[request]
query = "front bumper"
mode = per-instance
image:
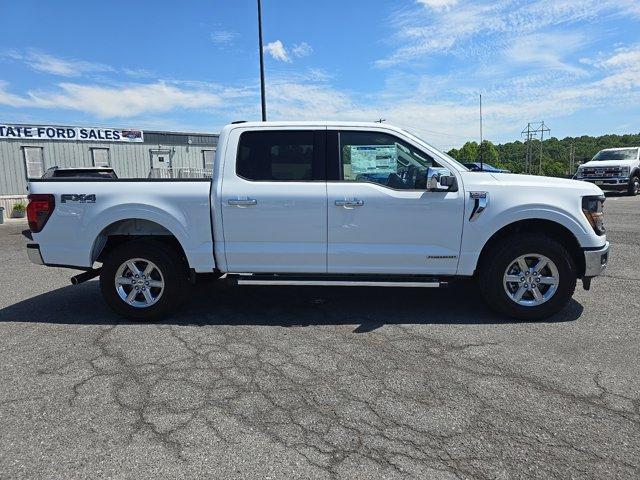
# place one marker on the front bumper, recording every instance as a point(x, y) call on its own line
point(595, 261)
point(613, 183)
point(33, 251)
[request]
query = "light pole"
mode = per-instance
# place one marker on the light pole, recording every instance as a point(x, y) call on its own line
point(262, 95)
point(481, 160)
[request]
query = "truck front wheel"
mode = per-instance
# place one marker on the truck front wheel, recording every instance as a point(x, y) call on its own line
point(527, 276)
point(143, 280)
point(634, 186)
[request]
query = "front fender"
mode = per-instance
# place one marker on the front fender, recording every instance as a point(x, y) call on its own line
point(477, 233)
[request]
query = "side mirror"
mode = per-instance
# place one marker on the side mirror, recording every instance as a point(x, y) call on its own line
point(441, 180)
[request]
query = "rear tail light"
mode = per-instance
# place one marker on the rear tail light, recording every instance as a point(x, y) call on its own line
point(39, 210)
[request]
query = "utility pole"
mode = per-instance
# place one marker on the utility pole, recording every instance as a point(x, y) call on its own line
point(529, 132)
point(572, 158)
point(381, 120)
point(481, 161)
point(542, 128)
point(262, 94)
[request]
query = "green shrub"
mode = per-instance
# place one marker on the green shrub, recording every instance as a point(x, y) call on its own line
point(19, 207)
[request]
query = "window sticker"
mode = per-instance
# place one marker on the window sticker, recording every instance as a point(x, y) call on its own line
point(373, 159)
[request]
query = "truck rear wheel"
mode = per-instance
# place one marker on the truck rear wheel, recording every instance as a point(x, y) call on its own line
point(143, 280)
point(527, 277)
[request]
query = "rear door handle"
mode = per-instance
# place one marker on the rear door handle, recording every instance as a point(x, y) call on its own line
point(242, 202)
point(349, 203)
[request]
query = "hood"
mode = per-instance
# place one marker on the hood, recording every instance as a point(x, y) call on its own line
point(512, 179)
point(609, 163)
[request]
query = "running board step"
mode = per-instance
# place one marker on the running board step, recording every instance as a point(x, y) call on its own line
point(336, 282)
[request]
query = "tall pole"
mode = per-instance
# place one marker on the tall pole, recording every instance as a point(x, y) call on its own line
point(262, 95)
point(541, 140)
point(527, 157)
point(481, 162)
point(542, 128)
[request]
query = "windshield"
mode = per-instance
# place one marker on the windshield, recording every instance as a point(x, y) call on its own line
point(621, 154)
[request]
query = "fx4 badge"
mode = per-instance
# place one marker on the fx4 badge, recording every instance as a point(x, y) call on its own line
point(78, 197)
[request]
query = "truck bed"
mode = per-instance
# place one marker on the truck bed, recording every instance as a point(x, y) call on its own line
point(87, 208)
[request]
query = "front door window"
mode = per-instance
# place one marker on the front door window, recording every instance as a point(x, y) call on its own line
point(383, 159)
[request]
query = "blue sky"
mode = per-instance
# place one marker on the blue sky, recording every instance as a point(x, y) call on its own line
point(419, 64)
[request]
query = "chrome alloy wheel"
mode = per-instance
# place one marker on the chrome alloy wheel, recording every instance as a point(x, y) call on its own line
point(139, 282)
point(531, 280)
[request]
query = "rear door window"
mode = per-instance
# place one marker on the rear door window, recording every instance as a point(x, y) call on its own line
point(281, 156)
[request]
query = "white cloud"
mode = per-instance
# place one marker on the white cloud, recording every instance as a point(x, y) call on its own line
point(47, 63)
point(480, 27)
point(114, 101)
point(629, 57)
point(277, 51)
point(546, 50)
point(438, 4)
point(440, 108)
point(223, 37)
point(302, 49)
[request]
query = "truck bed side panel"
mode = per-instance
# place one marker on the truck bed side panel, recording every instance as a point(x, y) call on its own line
point(180, 207)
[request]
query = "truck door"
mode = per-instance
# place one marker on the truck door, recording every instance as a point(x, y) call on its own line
point(381, 218)
point(274, 202)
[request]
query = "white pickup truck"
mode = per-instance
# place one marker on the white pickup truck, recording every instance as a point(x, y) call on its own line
point(324, 203)
point(613, 169)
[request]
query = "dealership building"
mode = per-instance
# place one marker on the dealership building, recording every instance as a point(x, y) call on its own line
point(27, 151)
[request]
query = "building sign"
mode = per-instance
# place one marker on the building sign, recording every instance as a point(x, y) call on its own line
point(373, 159)
point(44, 132)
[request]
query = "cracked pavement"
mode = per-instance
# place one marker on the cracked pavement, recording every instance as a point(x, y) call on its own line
point(287, 382)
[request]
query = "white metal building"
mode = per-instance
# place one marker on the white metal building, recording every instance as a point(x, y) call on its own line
point(26, 151)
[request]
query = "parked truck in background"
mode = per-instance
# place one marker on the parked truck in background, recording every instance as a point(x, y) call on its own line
point(613, 169)
point(322, 203)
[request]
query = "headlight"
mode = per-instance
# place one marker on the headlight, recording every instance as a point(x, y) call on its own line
point(592, 207)
point(579, 173)
point(625, 171)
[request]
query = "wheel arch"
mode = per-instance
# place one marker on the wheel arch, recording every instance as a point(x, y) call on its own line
point(553, 229)
point(124, 230)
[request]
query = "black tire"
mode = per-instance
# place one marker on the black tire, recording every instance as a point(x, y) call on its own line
point(174, 275)
point(634, 186)
point(494, 265)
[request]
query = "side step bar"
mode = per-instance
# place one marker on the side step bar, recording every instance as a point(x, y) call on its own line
point(337, 282)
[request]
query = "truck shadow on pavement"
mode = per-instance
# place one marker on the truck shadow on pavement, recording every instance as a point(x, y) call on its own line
point(217, 303)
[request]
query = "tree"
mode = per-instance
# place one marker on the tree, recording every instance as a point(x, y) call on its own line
point(488, 152)
point(468, 153)
point(555, 152)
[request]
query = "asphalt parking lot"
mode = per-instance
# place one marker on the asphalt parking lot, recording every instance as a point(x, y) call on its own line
point(319, 383)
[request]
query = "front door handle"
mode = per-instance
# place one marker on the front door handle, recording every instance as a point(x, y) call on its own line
point(242, 202)
point(349, 203)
